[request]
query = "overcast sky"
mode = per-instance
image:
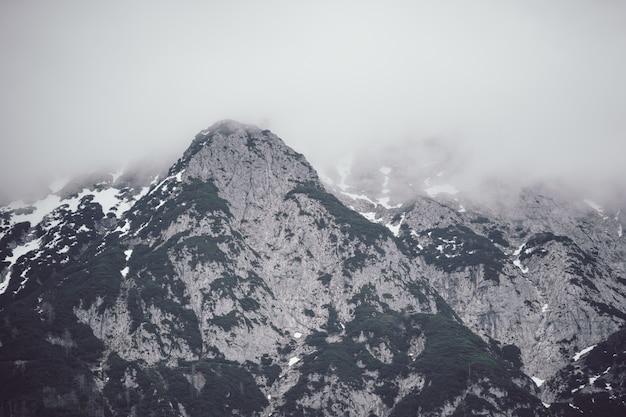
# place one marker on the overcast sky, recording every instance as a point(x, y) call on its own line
point(531, 87)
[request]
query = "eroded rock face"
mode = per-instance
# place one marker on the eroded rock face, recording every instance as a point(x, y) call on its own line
point(534, 281)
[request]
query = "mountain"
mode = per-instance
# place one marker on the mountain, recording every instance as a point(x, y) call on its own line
point(236, 283)
point(539, 271)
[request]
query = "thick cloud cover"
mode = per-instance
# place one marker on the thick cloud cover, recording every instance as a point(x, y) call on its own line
point(524, 89)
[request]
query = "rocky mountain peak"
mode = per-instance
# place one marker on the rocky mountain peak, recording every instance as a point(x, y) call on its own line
point(251, 167)
point(238, 284)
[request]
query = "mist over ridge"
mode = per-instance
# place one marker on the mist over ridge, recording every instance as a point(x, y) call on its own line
point(522, 90)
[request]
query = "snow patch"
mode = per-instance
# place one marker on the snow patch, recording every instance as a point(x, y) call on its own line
point(521, 267)
point(385, 203)
point(461, 209)
point(125, 271)
point(371, 216)
point(108, 199)
point(538, 381)
point(297, 335)
point(519, 250)
point(128, 253)
point(359, 197)
point(40, 209)
point(583, 352)
point(294, 360)
point(545, 308)
point(396, 229)
point(18, 252)
point(123, 229)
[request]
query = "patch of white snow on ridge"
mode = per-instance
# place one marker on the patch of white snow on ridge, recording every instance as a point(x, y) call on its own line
point(123, 229)
point(583, 352)
point(297, 335)
point(593, 379)
point(40, 209)
point(294, 360)
point(538, 381)
point(359, 197)
point(461, 209)
point(17, 253)
point(371, 216)
point(545, 308)
point(521, 267)
point(5, 281)
point(107, 199)
point(128, 253)
point(396, 229)
point(434, 190)
point(125, 271)
point(385, 203)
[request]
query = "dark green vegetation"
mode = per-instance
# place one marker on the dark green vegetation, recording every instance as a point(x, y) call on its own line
point(595, 385)
point(166, 203)
point(205, 388)
point(456, 248)
point(350, 222)
point(452, 359)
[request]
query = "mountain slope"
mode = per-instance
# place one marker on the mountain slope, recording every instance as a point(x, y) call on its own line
point(238, 285)
point(539, 270)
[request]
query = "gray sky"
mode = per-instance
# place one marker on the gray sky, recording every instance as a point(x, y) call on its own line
point(527, 87)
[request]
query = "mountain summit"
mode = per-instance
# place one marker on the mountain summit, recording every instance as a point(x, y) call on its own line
point(238, 285)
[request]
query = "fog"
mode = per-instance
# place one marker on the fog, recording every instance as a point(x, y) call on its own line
point(522, 90)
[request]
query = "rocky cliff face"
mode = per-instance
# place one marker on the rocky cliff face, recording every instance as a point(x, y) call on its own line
point(238, 285)
point(542, 273)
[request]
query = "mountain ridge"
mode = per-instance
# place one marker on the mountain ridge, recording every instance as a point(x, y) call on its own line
point(237, 282)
